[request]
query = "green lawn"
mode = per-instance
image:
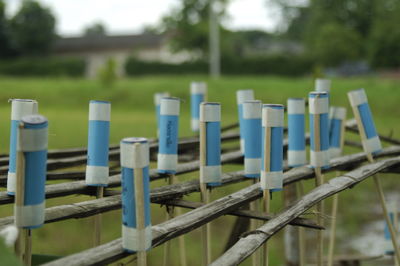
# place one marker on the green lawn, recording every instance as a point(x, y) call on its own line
point(65, 103)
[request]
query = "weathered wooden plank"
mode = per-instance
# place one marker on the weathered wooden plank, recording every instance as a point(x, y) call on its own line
point(113, 201)
point(253, 240)
point(244, 213)
point(191, 220)
point(79, 187)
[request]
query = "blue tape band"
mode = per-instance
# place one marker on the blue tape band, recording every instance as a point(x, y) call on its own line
point(276, 152)
point(213, 139)
point(276, 149)
point(35, 177)
point(335, 133)
point(296, 132)
point(368, 122)
point(195, 100)
point(128, 197)
point(98, 142)
point(13, 146)
point(324, 132)
point(252, 138)
point(168, 139)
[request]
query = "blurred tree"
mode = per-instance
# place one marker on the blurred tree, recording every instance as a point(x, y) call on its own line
point(334, 44)
point(5, 44)
point(384, 40)
point(96, 29)
point(361, 21)
point(189, 24)
point(33, 29)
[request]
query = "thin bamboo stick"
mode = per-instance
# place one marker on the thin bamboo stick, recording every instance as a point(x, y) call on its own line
point(140, 217)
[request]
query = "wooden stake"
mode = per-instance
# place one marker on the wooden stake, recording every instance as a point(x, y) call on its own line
point(266, 192)
point(23, 244)
point(266, 198)
point(140, 217)
point(332, 236)
point(205, 197)
point(97, 219)
point(319, 180)
point(377, 185)
point(28, 247)
point(302, 239)
point(255, 206)
point(173, 179)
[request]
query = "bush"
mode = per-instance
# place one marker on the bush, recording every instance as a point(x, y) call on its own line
point(47, 66)
point(384, 48)
point(285, 65)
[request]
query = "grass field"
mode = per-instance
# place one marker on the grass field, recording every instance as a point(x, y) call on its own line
point(65, 103)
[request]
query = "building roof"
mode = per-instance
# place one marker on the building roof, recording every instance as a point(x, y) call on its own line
point(103, 42)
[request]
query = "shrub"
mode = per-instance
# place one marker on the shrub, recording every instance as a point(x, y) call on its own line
point(43, 66)
point(279, 64)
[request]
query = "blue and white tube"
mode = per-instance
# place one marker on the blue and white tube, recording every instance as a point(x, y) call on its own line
point(318, 103)
point(336, 137)
point(198, 91)
point(32, 143)
point(392, 211)
point(98, 143)
point(241, 97)
point(296, 153)
point(251, 125)
point(322, 85)
point(157, 101)
point(210, 164)
point(272, 147)
point(19, 108)
point(135, 173)
point(167, 158)
point(369, 137)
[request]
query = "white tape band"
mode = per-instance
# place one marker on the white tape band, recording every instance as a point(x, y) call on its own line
point(29, 215)
point(272, 117)
point(251, 110)
point(323, 85)
point(194, 124)
point(210, 174)
point(198, 88)
point(130, 238)
point(296, 158)
point(242, 145)
point(167, 161)
point(23, 108)
point(32, 139)
point(252, 166)
point(319, 105)
point(334, 152)
point(11, 182)
point(271, 180)
point(169, 106)
point(134, 155)
point(357, 97)
point(372, 145)
point(99, 111)
point(158, 96)
point(338, 113)
point(319, 158)
point(244, 95)
point(296, 106)
point(96, 175)
point(210, 113)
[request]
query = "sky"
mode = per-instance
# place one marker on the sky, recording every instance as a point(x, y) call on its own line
point(130, 16)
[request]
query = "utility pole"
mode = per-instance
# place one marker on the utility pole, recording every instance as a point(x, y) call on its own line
point(214, 46)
